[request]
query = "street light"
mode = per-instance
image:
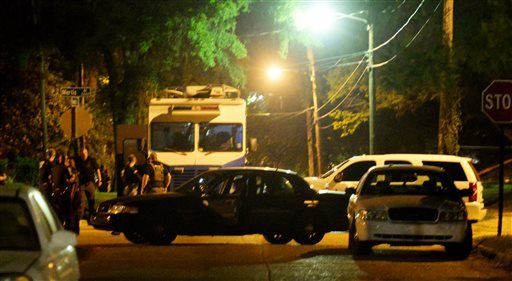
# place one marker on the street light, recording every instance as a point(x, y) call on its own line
point(311, 19)
point(274, 73)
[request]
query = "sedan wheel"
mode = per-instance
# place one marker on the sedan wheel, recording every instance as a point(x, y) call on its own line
point(161, 236)
point(463, 249)
point(307, 233)
point(356, 247)
point(277, 238)
point(135, 237)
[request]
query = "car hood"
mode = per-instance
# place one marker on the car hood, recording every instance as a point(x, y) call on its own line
point(16, 261)
point(407, 201)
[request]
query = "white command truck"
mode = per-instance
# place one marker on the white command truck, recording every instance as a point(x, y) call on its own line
point(192, 131)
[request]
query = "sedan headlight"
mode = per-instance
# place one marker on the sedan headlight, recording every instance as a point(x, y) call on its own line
point(122, 209)
point(458, 215)
point(372, 215)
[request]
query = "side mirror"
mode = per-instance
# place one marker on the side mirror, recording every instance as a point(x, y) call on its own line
point(350, 191)
point(338, 177)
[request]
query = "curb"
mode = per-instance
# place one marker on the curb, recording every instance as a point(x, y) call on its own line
point(501, 259)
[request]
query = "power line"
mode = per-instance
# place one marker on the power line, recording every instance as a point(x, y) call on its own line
point(333, 97)
point(343, 100)
point(412, 40)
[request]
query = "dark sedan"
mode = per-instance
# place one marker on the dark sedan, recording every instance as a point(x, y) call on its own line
point(276, 203)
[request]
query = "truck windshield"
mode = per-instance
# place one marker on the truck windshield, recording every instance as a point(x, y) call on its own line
point(169, 137)
point(220, 137)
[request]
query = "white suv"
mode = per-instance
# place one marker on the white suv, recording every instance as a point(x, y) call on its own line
point(461, 170)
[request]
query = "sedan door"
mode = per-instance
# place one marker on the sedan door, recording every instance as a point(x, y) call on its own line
point(272, 203)
point(225, 199)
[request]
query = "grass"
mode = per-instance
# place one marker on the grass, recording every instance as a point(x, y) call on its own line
point(103, 196)
point(491, 192)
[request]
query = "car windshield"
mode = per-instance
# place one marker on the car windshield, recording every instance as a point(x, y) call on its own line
point(199, 184)
point(331, 171)
point(407, 183)
point(17, 230)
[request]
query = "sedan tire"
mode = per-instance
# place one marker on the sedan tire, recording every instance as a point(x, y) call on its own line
point(135, 237)
point(160, 235)
point(356, 247)
point(462, 250)
point(277, 238)
point(307, 232)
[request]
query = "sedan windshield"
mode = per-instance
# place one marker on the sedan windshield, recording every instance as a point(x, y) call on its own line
point(407, 183)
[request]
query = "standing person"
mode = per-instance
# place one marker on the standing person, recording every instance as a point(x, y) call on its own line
point(46, 171)
point(131, 177)
point(88, 170)
point(156, 177)
point(58, 177)
point(72, 220)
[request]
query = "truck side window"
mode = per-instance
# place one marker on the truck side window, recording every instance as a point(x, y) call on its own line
point(355, 171)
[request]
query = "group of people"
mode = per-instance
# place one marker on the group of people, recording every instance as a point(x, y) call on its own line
point(69, 184)
point(153, 177)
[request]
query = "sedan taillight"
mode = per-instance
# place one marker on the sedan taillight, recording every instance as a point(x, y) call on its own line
point(473, 188)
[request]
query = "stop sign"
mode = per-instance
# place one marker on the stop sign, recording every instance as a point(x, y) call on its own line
point(497, 101)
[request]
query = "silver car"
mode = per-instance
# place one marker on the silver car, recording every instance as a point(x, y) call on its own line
point(33, 243)
point(408, 205)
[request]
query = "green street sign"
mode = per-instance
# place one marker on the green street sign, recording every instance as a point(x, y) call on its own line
point(76, 91)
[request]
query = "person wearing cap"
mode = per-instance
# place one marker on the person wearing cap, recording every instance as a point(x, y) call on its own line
point(156, 178)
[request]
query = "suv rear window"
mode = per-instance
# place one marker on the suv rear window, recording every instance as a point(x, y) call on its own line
point(454, 169)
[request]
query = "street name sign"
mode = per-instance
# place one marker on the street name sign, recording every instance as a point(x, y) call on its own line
point(76, 91)
point(497, 101)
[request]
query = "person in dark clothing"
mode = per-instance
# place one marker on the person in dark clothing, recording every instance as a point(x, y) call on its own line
point(131, 177)
point(45, 172)
point(105, 186)
point(156, 177)
point(73, 202)
point(59, 176)
point(88, 171)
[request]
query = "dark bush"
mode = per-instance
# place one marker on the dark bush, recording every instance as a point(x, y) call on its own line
point(26, 171)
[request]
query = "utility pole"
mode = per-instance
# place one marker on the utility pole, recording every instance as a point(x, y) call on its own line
point(371, 90)
point(316, 124)
point(43, 99)
point(309, 136)
point(448, 98)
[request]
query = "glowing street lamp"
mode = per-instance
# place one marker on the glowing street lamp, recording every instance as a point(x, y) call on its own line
point(274, 72)
point(319, 19)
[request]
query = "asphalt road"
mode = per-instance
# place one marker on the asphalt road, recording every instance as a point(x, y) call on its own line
point(106, 257)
